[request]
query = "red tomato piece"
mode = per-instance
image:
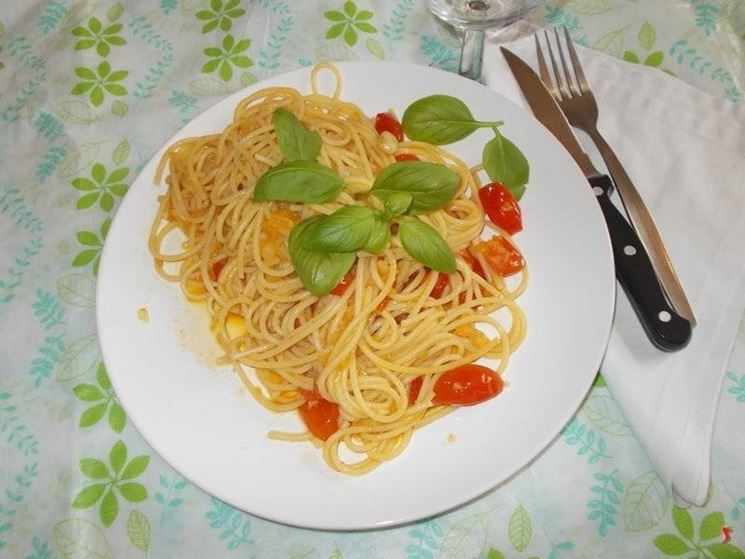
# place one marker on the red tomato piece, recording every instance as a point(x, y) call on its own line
point(467, 385)
point(216, 267)
point(344, 283)
point(443, 280)
point(405, 157)
point(386, 122)
point(501, 255)
point(501, 207)
point(320, 416)
point(414, 389)
point(474, 264)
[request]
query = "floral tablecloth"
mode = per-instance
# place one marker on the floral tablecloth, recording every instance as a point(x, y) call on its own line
point(88, 91)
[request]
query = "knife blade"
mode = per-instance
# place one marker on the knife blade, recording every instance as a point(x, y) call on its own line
point(665, 328)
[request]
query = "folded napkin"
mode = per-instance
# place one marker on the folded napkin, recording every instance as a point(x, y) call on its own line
point(685, 151)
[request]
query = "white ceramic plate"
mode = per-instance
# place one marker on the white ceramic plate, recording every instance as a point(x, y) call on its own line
point(200, 419)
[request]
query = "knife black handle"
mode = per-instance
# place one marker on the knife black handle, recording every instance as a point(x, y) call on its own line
point(666, 329)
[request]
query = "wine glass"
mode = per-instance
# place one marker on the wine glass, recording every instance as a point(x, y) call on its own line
point(473, 16)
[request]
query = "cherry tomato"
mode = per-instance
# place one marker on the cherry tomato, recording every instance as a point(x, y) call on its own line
point(467, 385)
point(386, 122)
point(474, 264)
point(501, 256)
point(343, 285)
point(414, 389)
point(501, 207)
point(443, 280)
point(320, 416)
point(406, 157)
point(216, 267)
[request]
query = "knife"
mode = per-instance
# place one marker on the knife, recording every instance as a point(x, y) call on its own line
point(665, 328)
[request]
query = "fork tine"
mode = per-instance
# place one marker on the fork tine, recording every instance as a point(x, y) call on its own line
point(584, 85)
point(575, 91)
point(543, 69)
point(557, 73)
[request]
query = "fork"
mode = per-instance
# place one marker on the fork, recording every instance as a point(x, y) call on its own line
point(577, 102)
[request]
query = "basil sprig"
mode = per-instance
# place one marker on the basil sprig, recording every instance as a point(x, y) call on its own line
point(319, 272)
point(505, 163)
point(295, 141)
point(430, 185)
point(321, 246)
point(298, 181)
point(440, 120)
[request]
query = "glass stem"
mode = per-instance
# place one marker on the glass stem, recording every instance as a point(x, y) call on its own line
point(472, 54)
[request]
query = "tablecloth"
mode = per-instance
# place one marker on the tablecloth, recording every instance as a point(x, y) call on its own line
point(88, 92)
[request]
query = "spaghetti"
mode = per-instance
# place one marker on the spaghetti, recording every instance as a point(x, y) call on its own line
point(362, 350)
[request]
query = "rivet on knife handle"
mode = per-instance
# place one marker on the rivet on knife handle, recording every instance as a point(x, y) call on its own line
point(666, 328)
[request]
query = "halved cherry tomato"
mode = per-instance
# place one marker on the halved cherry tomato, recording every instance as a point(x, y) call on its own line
point(467, 385)
point(501, 255)
point(443, 280)
point(414, 389)
point(344, 283)
point(406, 157)
point(474, 264)
point(216, 267)
point(386, 122)
point(501, 207)
point(320, 416)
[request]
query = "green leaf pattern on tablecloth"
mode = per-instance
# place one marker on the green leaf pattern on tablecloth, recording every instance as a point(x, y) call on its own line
point(110, 480)
point(89, 91)
point(704, 541)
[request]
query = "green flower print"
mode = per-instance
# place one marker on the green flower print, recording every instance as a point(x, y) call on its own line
point(94, 242)
point(102, 398)
point(708, 544)
point(222, 15)
point(222, 58)
point(101, 188)
point(349, 22)
point(95, 35)
point(116, 476)
point(96, 82)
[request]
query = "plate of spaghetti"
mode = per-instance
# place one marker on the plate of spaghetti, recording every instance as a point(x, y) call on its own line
point(355, 295)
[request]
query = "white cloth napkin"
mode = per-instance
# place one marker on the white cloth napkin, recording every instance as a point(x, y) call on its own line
point(685, 151)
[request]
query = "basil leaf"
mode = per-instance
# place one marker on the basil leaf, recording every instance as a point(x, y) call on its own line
point(298, 181)
point(440, 119)
point(345, 230)
point(380, 235)
point(430, 185)
point(295, 140)
point(424, 244)
point(505, 163)
point(397, 203)
point(319, 272)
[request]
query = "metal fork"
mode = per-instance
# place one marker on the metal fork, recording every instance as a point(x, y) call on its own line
point(577, 102)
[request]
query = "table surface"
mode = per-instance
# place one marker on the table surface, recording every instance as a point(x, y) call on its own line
point(592, 493)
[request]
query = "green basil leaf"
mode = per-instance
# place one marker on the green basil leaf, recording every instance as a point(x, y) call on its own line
point(319, 272)
point(295, 140)
point(430, 185)
point(397, 203)
point(440, 119)
point(380, 235)
point(505, 163)
point(424, 244)
point(345, 230)
point(298, 181)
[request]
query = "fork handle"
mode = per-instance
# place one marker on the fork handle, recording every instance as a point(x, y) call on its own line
point(666, 329)
point(645, 226)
